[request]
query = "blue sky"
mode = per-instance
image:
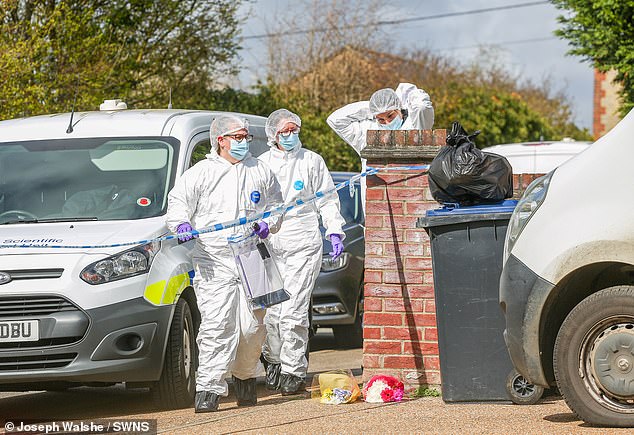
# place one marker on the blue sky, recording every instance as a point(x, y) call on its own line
point(523, 37)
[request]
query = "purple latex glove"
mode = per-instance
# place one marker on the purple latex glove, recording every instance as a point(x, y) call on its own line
point(337, 246)
point(261, 229)
point(186, 227)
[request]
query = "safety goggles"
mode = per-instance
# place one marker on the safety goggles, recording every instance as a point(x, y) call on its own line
point(240, 137)
point(287, 133)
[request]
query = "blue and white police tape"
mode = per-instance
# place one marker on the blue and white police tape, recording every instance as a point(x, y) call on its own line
point(236, 222)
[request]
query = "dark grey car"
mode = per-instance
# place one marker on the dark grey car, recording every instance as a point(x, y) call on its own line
point(338, 295)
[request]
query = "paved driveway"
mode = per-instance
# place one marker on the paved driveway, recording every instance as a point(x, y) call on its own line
point(297, 415)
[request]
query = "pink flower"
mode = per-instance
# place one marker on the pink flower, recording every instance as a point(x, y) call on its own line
point(398, 395)
point(387, 395)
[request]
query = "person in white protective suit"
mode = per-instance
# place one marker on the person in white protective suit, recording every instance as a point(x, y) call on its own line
point(228, 184)
point(407, 108)
point(301, 173)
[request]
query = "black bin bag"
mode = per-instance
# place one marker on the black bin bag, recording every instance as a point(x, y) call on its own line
point(462, 174)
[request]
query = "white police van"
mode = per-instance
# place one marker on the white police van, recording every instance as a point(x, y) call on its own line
point(539, 157)
point(98, 315)
point(567, 285)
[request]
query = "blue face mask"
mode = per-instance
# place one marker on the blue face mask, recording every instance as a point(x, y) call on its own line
point(239, 150)
point(290, 142)
point(396, 123)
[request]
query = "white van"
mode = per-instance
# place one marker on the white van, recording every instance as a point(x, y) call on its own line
point(539, 157)
point(98, 315)
point(567, 286)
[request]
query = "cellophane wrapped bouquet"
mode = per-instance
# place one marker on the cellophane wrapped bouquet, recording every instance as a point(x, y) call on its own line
point(335, 387)
point(382, 389)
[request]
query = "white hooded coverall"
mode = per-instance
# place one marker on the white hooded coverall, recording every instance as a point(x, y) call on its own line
point(215, 191)
point(298, 245)
point(353, 121)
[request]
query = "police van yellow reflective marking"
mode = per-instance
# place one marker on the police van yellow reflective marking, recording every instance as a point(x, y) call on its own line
point(174, 288)
point(160, 294)
point(154, 292)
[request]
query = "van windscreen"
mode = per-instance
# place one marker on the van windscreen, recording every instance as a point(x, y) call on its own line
point(86, 179)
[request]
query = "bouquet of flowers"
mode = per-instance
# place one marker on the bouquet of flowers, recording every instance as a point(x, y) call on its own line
point(335, 396)
point(335, 387)
point(383, 388)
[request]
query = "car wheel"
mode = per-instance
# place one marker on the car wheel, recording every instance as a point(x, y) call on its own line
point(177, 386)
point(521, 391)
point(594, 358)
point(351, 336)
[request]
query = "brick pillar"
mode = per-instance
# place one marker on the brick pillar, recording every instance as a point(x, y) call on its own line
point(606, 103)
point(400, 335)
point(521, 182)
point(598, 110)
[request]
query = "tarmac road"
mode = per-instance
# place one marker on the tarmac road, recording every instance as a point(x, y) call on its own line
point(299, 414)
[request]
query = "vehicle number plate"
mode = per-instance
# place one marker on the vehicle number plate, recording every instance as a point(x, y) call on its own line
point(19, 330)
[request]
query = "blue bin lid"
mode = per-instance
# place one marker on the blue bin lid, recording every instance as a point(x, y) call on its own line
point(506, 206)
point(449, 215)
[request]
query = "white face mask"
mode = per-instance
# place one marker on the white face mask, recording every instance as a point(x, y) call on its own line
point(239, 150)
point(289, 142)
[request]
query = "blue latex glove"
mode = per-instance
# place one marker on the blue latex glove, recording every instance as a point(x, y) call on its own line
point(261, 229)
point(185, 227)
point(337, 246)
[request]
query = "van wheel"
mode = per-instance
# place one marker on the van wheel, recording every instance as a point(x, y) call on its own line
point(594, 358)
point(177, 386)
point(351, 336)
point(521, 391)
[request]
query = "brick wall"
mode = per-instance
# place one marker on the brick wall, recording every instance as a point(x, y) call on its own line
point(521, 182)
point(606, 103)
point(598, 111)
point(400, 334)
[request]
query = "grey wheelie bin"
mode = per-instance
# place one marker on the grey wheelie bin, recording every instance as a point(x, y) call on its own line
point(467, 246)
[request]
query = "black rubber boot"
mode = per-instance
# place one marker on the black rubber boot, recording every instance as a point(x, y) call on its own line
point(290, 384)
point(273, 376)
point(206, 401)
point(245, 391)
